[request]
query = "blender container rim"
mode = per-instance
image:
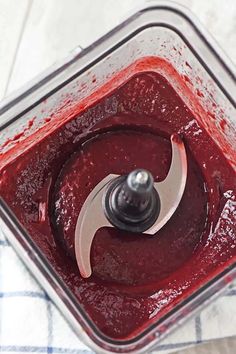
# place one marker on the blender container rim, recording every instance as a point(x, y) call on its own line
point(19, 237)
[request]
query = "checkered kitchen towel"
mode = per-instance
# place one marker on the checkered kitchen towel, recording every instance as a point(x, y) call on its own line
point(30, 323)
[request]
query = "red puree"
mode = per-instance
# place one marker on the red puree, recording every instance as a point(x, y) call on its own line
point(136, 278)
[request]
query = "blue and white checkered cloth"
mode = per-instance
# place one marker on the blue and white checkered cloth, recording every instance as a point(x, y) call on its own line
point(30, 323)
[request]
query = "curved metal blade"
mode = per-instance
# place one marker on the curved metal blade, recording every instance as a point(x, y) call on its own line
point(172, 188)
point(91, 218)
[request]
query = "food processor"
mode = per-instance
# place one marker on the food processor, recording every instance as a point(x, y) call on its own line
point(118, 183)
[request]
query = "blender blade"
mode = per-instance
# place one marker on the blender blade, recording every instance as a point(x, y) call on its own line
point(92, 215)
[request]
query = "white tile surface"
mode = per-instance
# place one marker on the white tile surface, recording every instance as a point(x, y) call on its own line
point(55, 27)
point(63, 337)
point(223, 346)
point(217, 326)
point(219, 17)
point(22, 277)
point(13, 314)
point(186, 333)
point(11, 21)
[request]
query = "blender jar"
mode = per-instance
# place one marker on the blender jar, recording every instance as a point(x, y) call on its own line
point(176, 43)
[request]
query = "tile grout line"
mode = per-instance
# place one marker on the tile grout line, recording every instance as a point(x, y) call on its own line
point(198, 328)
point(50, 325)
point(21, 294)
point(36, 349)
point(22, 30)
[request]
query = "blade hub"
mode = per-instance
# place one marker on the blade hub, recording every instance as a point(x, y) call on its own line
point(131, 203)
